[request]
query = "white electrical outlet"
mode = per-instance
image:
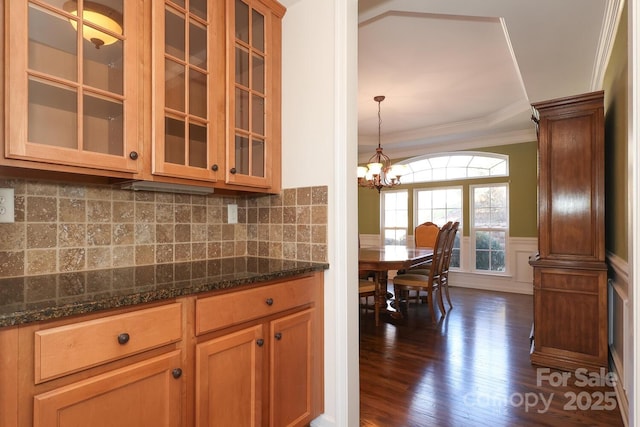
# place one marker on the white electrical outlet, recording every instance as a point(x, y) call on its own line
point(7, 211)
point(232, 214)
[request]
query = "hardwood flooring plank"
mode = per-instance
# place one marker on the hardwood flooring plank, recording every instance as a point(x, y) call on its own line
point(472, 368)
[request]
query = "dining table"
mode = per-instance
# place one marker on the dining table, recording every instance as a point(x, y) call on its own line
point(379, 260)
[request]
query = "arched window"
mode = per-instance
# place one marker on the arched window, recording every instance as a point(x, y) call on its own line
point(454, 166)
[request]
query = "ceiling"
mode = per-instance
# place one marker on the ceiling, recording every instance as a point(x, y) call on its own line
point(461, 74)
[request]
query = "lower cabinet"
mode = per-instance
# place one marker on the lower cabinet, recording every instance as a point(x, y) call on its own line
point(570, 317)
point(229, 380)
point(146, 393)
point(260, 363)
point(291, 368)
point(241, 358)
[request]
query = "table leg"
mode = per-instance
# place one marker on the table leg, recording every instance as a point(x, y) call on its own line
point(382, 302)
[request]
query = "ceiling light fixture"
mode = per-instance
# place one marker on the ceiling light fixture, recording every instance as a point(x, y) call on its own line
point(379, 173)
point(96, 14)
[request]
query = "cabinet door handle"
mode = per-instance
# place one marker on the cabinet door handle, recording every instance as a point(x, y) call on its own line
point(269, 301)
point(233, 171)
point(133, 155)
point(260, 342)
point(123, 338)
point(214, 168)
point(278, 336)
point(177, 373)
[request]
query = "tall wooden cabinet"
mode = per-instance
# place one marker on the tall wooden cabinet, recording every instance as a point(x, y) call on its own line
point(570, 273)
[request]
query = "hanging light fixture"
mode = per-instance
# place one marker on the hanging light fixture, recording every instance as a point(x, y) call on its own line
point(97, 14)
point(379, 173)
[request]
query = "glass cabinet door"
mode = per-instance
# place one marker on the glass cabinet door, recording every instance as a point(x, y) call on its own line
point(72, 93)
point(251, 104)
point(189, 85)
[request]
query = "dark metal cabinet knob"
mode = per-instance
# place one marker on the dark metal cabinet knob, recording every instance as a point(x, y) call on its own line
point(123, 338)
point(260, 342)
point(133, 155)
point(233, 171)
point(214, 168)
point(278, 335)
point(177, 373)
point(269, 301)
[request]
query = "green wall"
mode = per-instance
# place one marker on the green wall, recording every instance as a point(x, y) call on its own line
point(522, 193)
point(615, 99)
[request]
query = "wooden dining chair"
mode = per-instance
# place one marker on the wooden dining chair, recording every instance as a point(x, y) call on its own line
point(424, 235)
point(366, 290)
point(446, 261)
point(430, 283)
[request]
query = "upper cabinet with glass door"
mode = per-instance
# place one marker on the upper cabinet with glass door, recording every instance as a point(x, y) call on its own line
point(254, 67)
point(71, 89)
point(188, 90)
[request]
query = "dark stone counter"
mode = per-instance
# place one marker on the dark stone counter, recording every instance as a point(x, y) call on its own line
point(36, 298)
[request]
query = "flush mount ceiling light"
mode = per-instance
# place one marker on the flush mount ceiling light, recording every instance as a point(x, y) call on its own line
point(379, 173)
point(96, 14)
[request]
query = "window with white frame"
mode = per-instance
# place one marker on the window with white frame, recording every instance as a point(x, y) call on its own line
point(395, 216)
point(456, 165)
point(440, 205)
point(489, 225)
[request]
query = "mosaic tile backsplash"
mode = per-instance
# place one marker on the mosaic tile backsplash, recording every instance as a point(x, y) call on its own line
point(64, 227)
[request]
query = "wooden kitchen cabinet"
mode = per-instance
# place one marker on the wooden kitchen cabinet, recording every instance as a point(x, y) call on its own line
point(178, 92)
point(291, 368)
point(570, 272)
point(123, 368)
point(189, 94)
point(254, 69)
point(237, 357)
point(263, 362)
point(229, 379)
point(147, 393)
point(71, 86)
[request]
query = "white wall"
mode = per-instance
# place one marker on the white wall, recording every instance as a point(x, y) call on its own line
point(319, 148)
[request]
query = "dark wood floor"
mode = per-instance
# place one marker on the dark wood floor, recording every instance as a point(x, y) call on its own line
point(471, 369)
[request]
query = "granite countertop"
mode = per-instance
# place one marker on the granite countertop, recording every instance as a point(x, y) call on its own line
point(44, 297)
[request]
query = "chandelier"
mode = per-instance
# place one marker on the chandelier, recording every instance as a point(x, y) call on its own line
point(379, 173)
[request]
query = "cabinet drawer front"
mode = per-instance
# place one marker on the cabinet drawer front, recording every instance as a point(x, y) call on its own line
point(217, 312)
point(70, 348)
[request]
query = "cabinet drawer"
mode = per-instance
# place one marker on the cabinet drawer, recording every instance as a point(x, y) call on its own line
point(221, 311)
point(73, 347)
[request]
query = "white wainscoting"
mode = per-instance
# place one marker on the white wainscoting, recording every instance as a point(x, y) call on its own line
point(519, 277)
point(620, 331)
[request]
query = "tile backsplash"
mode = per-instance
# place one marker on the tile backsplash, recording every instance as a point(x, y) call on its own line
point(63, 227)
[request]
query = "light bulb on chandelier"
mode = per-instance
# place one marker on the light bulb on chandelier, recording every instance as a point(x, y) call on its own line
point(379, 173)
